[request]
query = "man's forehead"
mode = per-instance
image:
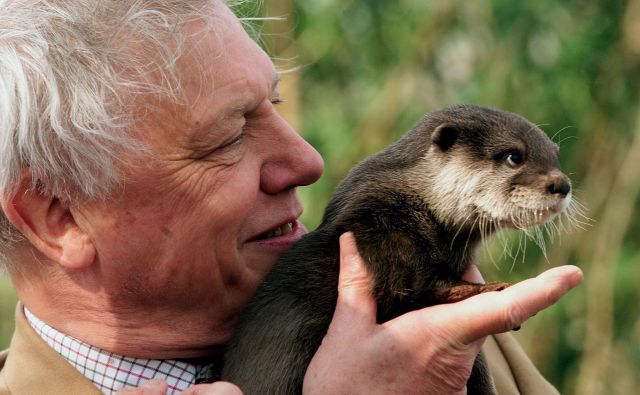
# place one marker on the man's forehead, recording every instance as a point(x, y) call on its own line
point(250, 98)
point(224, 74)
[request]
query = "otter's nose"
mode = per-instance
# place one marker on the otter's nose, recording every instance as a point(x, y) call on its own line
point(559, 185)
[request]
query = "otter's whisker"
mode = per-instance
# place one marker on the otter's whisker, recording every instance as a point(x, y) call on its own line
point(506, 247)
point(575, 215)
point(540, 241)
point(559, 223)
point(524, 244)
point(458, 232)
point(473, 225)
point(553, 230)
point(490, 230)
point(484, 239)
point(520, 249)
point(565, 139)
point(553, 138)
point(579, 210)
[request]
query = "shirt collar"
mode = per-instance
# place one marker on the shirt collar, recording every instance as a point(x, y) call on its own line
point(111, 372)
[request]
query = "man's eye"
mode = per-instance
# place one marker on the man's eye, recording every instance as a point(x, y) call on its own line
point(277, 100)
point(236, 139)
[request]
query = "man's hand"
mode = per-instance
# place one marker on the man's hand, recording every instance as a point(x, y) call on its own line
point(158, 387)
point(431, 350)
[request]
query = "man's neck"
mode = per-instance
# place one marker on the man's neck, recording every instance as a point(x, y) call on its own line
point(111, 372)
point(142, 333)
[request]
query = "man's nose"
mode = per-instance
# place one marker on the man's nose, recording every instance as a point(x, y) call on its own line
point(293, 162)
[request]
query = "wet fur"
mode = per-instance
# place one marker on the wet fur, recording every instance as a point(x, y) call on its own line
point(416, 211)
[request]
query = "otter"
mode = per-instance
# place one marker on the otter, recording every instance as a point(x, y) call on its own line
point(419, 211)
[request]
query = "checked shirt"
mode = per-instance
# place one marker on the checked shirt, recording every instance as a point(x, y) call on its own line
point(111, 372)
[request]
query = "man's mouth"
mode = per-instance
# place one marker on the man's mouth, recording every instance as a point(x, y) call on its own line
point(279, 231)
point(280, 238)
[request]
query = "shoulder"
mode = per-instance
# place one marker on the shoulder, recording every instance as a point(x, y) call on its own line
point(31, 366)
point(3, 385)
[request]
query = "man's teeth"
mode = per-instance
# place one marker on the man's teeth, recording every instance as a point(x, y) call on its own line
point(283, 230)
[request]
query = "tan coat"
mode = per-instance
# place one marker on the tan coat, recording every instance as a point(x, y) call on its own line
point(31, 367)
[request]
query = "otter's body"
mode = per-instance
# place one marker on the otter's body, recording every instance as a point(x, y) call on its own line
point(418, 211)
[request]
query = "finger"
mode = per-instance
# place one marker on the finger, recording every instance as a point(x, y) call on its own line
point(496, 312)
point(355, 302)
point(472, 274)
point(217, 388)
point(151, 387)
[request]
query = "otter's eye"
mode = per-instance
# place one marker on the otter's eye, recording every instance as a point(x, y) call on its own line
point(514, 159)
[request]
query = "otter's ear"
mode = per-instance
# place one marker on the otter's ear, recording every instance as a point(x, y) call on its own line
point(49, 225)
point(444, 136)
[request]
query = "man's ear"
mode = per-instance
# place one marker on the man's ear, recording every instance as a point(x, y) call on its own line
point(49, 225)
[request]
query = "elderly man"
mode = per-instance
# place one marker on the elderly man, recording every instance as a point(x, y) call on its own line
point(148, 184)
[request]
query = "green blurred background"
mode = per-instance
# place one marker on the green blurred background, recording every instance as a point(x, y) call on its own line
point(364, 71)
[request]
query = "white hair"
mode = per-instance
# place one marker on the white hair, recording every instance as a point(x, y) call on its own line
point(67, 70)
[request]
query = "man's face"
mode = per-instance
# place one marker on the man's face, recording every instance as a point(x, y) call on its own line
point(199, 223)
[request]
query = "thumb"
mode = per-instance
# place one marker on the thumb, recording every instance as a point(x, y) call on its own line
point(151, 387)
point(495, 312)
point(355, 302)
point(217, 388)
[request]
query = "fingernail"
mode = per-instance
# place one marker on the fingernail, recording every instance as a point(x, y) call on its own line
point(576, 276)
point(579, 274)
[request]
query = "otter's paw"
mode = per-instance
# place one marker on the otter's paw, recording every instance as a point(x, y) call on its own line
point(494, 287)
point(458, 292)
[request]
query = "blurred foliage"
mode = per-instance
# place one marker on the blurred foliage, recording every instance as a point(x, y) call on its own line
point(369, 69)
point(7, 307)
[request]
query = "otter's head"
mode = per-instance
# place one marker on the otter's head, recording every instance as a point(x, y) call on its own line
point(488, 169)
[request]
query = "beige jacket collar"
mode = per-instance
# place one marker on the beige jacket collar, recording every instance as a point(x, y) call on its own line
point(32, 367)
